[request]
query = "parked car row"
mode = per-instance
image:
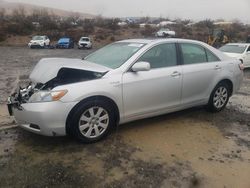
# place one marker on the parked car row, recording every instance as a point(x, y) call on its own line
point(62, 43)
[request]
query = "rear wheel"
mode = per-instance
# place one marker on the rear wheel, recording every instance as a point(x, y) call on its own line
point(219, 97)
point(92, 121)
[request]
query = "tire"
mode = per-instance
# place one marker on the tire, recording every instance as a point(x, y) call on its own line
point(89, 127)
point(165, 35)
point(219, 97)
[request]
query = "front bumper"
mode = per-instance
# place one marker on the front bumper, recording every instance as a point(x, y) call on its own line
point(84, 45)
point(35, 45)
point(47, 118)
point(63, 46)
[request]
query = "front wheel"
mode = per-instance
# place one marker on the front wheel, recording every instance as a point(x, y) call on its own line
point(165, 35)
point(219, 98)
point(92, 121)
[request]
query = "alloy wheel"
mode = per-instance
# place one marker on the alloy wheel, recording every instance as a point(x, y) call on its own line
point(220, 97)
point(93, 122)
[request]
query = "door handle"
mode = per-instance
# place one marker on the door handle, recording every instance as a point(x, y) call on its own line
point(175, 74)
point(217, 67)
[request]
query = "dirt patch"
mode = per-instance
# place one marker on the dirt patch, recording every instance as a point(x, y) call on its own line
point(8, 140)
point(106, 164)
point(43, 174)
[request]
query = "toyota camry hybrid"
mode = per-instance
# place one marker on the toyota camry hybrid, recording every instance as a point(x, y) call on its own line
point(124, 81)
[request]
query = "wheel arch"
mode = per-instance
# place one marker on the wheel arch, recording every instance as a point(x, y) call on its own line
point(99, 97)
point(229, 83)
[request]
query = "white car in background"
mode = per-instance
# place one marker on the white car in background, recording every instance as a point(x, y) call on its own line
point(84, 42)
point(240, 51)
point(165, 32)
point(39, 42)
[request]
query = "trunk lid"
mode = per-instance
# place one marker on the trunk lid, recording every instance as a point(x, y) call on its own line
point(233, 55)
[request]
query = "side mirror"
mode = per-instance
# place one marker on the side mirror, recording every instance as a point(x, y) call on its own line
point(140, 66)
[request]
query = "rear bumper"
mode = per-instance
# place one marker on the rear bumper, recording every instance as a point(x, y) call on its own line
point(47, 119)
point(63, 46)
point(238, 81)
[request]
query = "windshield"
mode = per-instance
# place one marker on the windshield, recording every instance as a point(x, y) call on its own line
point(84, 39)
point(239, 49)
point(114, 55)
point(64, 40)
point(164, 29)
point(38, 38)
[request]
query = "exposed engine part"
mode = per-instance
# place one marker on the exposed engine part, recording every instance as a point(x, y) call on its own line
point(25, 93)
point(22, 95)
point(64, 76)
point(69, 76)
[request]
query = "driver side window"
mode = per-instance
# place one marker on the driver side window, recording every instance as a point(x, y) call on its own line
point(163, 55)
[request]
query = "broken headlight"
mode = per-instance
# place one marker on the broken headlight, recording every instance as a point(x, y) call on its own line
point(47, 96)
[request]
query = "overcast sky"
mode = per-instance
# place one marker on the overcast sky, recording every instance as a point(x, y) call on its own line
point(187, 9)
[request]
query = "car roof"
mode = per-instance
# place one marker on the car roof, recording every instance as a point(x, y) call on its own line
point(158, 40)
point(144, 41)
point(239, 44)
point(64, 38)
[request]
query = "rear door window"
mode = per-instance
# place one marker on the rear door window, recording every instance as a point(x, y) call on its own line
point(211, 57)
point(193, 54)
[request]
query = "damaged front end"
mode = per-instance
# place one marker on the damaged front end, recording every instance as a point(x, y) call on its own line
point(22, 95)
point(29, 93)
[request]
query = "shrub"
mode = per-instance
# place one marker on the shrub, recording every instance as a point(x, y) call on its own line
point(148, 31)
point(88, 26)
point(112, 38)
point(3, 35)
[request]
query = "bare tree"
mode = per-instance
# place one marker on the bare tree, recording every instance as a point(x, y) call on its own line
point(18, 15)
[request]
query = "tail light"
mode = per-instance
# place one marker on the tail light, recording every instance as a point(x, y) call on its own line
point(241, 66)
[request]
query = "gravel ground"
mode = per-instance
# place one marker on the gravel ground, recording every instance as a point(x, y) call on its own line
point(191, 148)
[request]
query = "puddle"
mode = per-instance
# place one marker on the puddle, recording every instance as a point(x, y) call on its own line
point(167, 139)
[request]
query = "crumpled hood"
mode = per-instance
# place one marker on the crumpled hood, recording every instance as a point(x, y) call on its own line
point(47, 69)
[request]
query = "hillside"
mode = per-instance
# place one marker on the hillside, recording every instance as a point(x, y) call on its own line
point(9, 7)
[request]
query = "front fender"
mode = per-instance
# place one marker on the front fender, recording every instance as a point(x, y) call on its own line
point(100, 87)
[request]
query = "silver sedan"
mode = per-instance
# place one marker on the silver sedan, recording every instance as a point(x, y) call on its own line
point(122, 82)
